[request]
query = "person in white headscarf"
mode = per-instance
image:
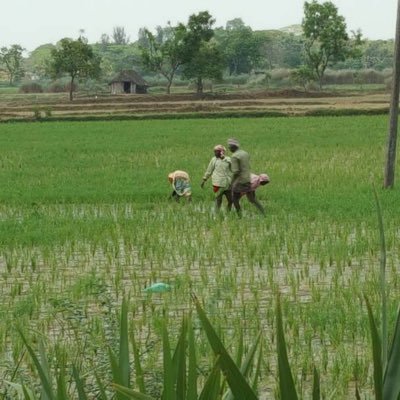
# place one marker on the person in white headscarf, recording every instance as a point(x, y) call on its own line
point(258, 180)
point(180, 183)
point(219, 169)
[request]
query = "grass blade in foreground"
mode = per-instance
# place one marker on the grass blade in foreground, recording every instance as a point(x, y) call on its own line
point(316, 394)
point(192, 368)
point(179, 361)
point(237, 383)
point(120, 366)
point(124, 346)
point(61, 385)
point(391, 383)
point(358, 397)
point(28, 393)
point(138, 366)
point(46, 385)
point(247, 362)
point(376, 353)
point(79, 384)
point(286, 383)
point(257, 374)
point(168, 392)
point(212, 386)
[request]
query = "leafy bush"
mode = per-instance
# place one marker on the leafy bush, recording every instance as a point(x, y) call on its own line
point(369, 76)
point(343, 77)
point(59, 87)
point(32, 87)
point(237, 79)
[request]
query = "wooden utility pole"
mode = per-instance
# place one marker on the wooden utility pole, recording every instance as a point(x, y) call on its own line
point(394, 109)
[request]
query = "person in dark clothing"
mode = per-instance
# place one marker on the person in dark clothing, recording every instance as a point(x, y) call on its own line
point(241, 182)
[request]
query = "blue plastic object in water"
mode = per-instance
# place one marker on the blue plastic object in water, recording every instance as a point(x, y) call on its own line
point(159, 287)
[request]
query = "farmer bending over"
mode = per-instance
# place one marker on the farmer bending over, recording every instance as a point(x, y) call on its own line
point(180, 183)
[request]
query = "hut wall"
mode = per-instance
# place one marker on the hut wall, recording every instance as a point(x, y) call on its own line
point(117, 88)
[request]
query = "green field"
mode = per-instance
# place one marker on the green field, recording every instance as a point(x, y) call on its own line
point(85, 219)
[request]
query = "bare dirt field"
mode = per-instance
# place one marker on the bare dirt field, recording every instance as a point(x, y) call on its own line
point(262, 103)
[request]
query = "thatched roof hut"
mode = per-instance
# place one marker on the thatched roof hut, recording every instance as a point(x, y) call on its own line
point(128, 82)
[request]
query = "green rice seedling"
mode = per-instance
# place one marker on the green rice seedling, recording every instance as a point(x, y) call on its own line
point(386, 363)
point(101, 227)
point(386, 376)
point(236, 381)
point(286, 383)
point(42, 369)
point(180, 378)
point(120, 366)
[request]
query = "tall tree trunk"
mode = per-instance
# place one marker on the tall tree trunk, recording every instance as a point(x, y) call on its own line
point(199, 85)
point(71, 88)
point(394, 110)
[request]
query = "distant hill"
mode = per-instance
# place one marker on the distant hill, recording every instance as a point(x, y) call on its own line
point(291, 29)
point(295, 29)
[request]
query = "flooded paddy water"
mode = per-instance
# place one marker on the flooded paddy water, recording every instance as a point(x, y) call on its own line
point(85, 222)
point(68, 290)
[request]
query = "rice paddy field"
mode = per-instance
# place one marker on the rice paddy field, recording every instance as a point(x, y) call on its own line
point(86, 220)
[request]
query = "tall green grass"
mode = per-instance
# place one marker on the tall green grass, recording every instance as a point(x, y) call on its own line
point(85, 219)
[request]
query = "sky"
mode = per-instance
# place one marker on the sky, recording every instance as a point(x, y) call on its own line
point(31, 23)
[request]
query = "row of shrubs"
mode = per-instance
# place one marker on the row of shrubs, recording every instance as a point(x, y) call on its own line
point(277, 77)
point(35, 87)
point(284, 78)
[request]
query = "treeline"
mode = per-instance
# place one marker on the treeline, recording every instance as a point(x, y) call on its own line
point(197, 53)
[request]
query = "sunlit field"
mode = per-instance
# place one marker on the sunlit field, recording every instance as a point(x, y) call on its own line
point(86, 220)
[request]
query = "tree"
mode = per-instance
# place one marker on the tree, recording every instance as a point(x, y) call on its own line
point(302, 76)
point(207, 63)
point(37, 62)
point(117, 57)
point(104, 41)
point(280, 49)
point(378, 54)
point(12, 59)
point(203, 59)
point(119, 35)
point(326, 39)
point(172, 47)
point(164, 55)
point(241, 47)
point(76, 59)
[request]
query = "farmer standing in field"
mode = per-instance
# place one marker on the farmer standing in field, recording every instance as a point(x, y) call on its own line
point(219, 169)
point(241, 183)
point(180, 183)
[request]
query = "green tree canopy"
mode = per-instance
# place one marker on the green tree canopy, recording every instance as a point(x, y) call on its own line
point(326, 39)
point(207, 63)
point(240, 46)
point(12, 60)
point(38, 60)
point(280, 49)
point(117, 57)
point(172, 47)
point(119, 35)
point(76, 59)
